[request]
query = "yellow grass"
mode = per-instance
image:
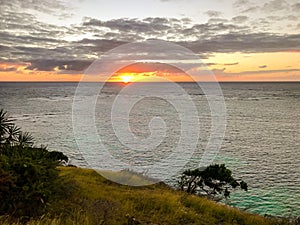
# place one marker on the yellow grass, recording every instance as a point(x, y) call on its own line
point(96, 200)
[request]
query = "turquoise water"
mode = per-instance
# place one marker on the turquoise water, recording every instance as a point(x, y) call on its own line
point(274, 199)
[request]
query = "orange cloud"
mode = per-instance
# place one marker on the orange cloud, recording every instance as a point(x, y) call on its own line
point(143, 72)
point(276, 66)
point(11, 66)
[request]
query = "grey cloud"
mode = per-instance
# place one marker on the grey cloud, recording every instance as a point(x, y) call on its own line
point(131, 25)
point(291, 17)
point(275, 5)
point(240, 19)
point(251, 9)
point(4, 48)
point(29, 30)
point(55, 7)
point(296, 7)
point(67, 65)
point(217, 20)
point(240, 3)
point(209, 30)
point(245, 6)
point(280, 18)
point(213, 13)
point(255, 42)
point(9, 38)
point(44, 46)
point(101, 45)
point(159, 20)
point(186, 20)
point(169, 0)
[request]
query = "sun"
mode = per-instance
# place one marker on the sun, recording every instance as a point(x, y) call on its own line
point(126, 79)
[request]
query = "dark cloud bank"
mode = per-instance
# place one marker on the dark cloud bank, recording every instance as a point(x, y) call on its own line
point(46, 46)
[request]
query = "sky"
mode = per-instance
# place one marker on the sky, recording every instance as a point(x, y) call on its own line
point(238, 40)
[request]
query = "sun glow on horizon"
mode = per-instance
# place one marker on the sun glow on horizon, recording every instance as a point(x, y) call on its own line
point(276, 66)
point(126, 78)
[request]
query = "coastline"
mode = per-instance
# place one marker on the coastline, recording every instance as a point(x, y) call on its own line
point(101, 201)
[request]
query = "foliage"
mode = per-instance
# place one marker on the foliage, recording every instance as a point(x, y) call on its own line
point(29, 180)
point(99, 201)
point(12, 135)
point(214, 182)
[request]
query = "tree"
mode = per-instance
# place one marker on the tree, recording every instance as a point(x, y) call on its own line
point(215, 182)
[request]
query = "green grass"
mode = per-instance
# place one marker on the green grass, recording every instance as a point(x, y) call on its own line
point(95, 200)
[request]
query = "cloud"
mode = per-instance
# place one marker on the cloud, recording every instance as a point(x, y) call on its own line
point(54, 7)
point(240, 19)
point(241, 3)
point(230, 64)
point(213, 13)
point(98, 45)
point(239, 42)
point(296, 7)
point(147, 25)
point(65, 65)
point(271, 71)
point(11, 66)
point(275, 5)
point(281, 18)
point(23, 29)
point(253, 72)
point(9, 69)
point(222, 64)
point(76, 55)
point(251, 9)
point(245, 6)
point(263, 66)
point(217, 71)
point(150, 67)
point(217, 20)
point(45, 46)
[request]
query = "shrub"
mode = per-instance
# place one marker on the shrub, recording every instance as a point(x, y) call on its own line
point(29, 180)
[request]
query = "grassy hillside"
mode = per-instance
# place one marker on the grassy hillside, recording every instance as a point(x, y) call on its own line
point(95, 200)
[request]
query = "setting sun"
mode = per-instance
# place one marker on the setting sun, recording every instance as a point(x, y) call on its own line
point(126, 79)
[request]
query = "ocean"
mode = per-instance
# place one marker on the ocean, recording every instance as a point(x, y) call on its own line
point(261, 142)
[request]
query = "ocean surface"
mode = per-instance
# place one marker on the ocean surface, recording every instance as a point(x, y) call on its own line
point(261, 143)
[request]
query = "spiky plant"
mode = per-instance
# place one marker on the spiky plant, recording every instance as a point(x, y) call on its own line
point(5, 123)
point(24, 139)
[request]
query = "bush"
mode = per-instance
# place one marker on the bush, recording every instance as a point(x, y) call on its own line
point(29, 180)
